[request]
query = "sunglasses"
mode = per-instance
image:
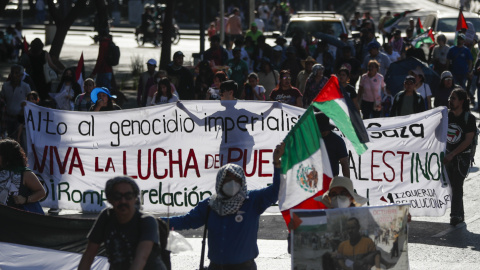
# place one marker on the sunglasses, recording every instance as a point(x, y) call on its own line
point(117, 196)
point(287, 78)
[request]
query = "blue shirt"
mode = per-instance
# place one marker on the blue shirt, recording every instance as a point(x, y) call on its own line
point(232, 239)
point(459, 57)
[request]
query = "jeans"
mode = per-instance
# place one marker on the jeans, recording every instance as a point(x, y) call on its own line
point(367, 110)
point(457, 170)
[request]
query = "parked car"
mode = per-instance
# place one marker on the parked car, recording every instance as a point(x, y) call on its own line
point(446, 23)
point(312, 22)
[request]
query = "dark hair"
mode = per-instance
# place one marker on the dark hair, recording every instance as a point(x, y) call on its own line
point(36, 46)
point(356, 221)
point(282, 73)
point(12, 155)
point(166, 82)
point(344, 69)
point(229, 85)
point(117, 180)
point(462, 95)
point(222, 76)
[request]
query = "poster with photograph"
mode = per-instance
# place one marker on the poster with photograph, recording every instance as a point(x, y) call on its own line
point(357, 238)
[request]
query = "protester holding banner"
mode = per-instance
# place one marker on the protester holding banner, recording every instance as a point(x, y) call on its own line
point(285, 92)
point(407, 101)
point(232, 216)
point(461, 130)
point(164, 93)
point(103, 100)
point(83, 102)
point(131, 237)
point(19, 186)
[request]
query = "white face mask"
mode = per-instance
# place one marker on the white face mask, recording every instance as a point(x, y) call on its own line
point(231, 188)
point(340, 201)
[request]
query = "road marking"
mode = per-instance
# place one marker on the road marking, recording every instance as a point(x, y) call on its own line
point(461, 225)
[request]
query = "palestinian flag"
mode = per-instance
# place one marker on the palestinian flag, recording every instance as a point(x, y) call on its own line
point(335, 105)
point(306, 171)
point(397, 18)
point(424, 38)
point(461, 24)
point(419, 27)
point(79, 72)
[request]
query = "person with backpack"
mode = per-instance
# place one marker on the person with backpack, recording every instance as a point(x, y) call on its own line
point(108, 56)
point(460, 137)
point(131, 237)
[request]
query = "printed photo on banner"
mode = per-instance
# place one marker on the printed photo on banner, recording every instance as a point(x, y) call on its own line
point(361, 238)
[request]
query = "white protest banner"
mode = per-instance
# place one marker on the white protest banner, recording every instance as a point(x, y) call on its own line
point(404, 162)
point(173, 153)
point(321, 239)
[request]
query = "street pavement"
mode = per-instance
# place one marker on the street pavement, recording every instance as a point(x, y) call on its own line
point(433, 243)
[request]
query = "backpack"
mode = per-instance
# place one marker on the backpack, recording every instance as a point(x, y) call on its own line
point(113, 54)
point(473, 146)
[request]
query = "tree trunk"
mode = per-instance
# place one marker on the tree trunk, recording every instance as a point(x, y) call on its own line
point(101, 21)
point(167, 35)
point(63, 23)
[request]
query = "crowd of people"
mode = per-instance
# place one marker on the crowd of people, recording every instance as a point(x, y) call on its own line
point(249, 68)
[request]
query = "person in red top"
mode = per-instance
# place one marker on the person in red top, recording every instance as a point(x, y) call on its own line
point(285, 92)
point(102, 70)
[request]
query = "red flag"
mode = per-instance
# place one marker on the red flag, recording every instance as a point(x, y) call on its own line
point(25, 45)
point(430, 34)
point(419, 27)
point(78, 72)
point(461, 22)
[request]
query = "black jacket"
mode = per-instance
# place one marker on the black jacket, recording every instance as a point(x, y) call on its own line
point(418, 103)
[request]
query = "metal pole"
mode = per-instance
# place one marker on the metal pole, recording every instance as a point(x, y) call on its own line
point(222, 21)
point(202, 26)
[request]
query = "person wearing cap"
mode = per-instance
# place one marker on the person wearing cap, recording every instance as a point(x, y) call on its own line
point(103, 100)
point(444, 89)
point(146, 80)
point(422, 87)
point(238, 70)
point(232, 216)
point(370, 84)
point(181, 77)
point(315, 82)
point(285, 92)
point(460, 59)
point(131, 237)
point(374, 53)
point(407, 101)
point(336, 148)
point(253, 32)
point(305, 73)
point(439, 54)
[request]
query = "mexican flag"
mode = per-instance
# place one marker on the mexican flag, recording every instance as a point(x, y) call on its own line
point(424, 38)
point(79, 72)
point(397, 18)
point(306, 171)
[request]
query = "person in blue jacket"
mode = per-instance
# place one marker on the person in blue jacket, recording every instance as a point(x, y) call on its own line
point(233, 216)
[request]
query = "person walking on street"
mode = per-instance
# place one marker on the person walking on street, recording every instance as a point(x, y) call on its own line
point(461, 131)
point(181, 77)
point(146, 80)
point(407, 101)
point(461, 61)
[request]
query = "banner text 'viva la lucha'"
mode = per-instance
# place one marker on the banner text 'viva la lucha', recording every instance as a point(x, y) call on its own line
point(173, 153)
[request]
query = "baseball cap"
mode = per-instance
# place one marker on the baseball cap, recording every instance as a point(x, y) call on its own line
point(152, 62)
point(373, 45)
point(178, 53)
point(446, 74)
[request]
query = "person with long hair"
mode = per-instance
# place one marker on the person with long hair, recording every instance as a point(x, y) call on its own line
point(285, 92)
point(67, 91)
point(213, 92)
point(164, 93)
point(103, 100)
point(462, 124)
point(19, 187)
point(83, 102)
